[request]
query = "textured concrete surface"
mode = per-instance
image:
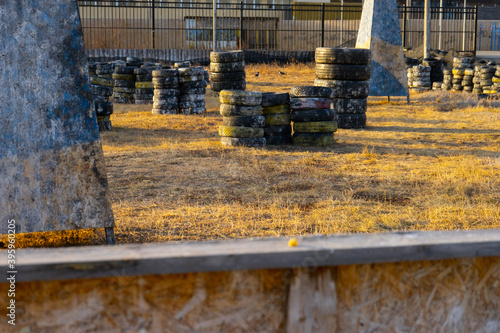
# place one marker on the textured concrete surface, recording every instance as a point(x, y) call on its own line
point(379, 31)
point(52, 169)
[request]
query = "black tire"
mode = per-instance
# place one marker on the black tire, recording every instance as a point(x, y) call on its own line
point(101, 99)
point(486, 76)
point(228, 110)
point(226, 67)
point(233, 76)
point(166, 92)
point(228, 85)
point(104, 71)
point(486, 82)
point(469, 78)
point(343, 72)
point(101, 90)
point(346, 56)
point(346, 89)
point(187, 91)
point(144, 96)
point(142, 101)
point(197, 104)
point(351, 120)
point(245, 121)
point(457, 87)
point(343, 105)
point(227, 56)
point(456, 81)
point(191, 97)
point(144, 91)
point(165, 73)
point(165, 105)
point(144, 71)
point(312, 115)
point(103, 109)
point(485, 70)
point(193, 110)
point(313, 139)
point(311, 91)
point(274, 99)
point(307, 103)
point(277, 130)
point(165, 99)
point(191, 78)
point(245, 142)
point(144, 78)
point(278, 139)
point(194, 84)
point(124, 70)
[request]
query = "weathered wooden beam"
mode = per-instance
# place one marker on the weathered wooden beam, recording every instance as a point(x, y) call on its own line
point(312, 251)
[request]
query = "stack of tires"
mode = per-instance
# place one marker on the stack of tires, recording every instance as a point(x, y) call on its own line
point(421, 78)
point(243, 123)
point(486, 76)
point(276, 110)
point(447, 79)
point(227, 70)
point(144, 88)
point(101, 93)
point(347, 71)
point(496, 79)
point(313, 119)
point(166, 91)
point(103, 75)
point(192, 87)
point(124, 88)
point(459, 67)
point(467, 80)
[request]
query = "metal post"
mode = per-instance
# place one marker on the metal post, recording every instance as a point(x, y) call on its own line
point(427, 29)
point(440, 24)
point(214, 39)
point(342, 22)
point(153, 23)
point(404, 26)
point(323, 25)
point(475, 30)
point(241, 25)
point(465, 17)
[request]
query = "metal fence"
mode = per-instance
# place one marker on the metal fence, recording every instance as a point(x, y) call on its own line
point(261, 27)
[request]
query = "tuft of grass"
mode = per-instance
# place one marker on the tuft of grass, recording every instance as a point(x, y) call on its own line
point(424, 166)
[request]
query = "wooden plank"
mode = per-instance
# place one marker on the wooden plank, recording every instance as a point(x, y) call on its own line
point(312, 301)
point(312, 251)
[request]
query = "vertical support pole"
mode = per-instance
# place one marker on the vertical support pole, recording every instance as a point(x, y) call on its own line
point(110, 235)
point(427, 29)
point(465, 18)
point(440, 24)
point(475, 30)
point(341, 22)
point(323, 25)
point(491, 38)
point(241, 25)
point(404, 25)
point(214, 14)
point(153, 24)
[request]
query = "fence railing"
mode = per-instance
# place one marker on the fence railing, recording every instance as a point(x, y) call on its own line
point(263, 27)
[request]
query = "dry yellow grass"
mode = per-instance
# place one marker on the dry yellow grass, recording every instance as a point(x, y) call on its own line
point(431, 165)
